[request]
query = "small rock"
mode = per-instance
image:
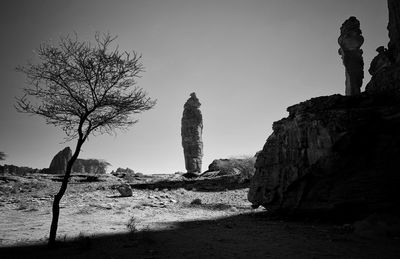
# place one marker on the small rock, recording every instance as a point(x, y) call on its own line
point(233, 209)
point(196, 202)
point(125, 190)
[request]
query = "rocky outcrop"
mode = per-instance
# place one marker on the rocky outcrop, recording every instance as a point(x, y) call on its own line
point(333, 156)
point(59, 162)
point(394, 30)
point(90, 166)
point(350, 41)
point(191, 132)
point(232, 166)
point(385, 67)
point(337, 156)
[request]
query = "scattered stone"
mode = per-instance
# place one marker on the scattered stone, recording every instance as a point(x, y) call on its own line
point(190, 175)
point(191, 132)
point(196, 202)
point(125, 190)
point(350, 41)
point(233, 209)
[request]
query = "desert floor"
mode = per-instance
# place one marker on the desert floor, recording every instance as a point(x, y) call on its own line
point(96, 223)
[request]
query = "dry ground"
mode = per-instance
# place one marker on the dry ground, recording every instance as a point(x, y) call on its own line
point(96, 223)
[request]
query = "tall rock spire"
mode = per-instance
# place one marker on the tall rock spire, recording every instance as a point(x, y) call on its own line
point(191, 131)
point(350, 41)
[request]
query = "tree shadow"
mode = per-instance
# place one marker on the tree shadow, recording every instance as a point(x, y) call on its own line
point(252, 235)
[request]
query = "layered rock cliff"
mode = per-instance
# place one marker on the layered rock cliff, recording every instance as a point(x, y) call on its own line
point(332, 155)
point(337, 156)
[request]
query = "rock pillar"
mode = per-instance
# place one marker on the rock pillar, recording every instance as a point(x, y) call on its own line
point(350, 41)
point(191, 131)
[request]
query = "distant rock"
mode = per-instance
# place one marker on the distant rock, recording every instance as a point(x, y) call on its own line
point(127, 174)
point(59, 162)
point(90, 166)
point(350, 41)
point(191, 132)
point(243, 168)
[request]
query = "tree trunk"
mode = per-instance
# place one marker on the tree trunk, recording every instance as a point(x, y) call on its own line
point(60, 194)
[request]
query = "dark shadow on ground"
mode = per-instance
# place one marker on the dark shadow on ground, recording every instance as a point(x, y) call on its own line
point(221, 183)
point(250, 235)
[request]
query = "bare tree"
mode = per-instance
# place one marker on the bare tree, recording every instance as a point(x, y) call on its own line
point(84, 88)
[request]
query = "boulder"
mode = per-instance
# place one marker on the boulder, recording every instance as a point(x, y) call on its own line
point(125, 190)
point(191, 132)
point(350, 41)
point(59, 162)
point(332, 156)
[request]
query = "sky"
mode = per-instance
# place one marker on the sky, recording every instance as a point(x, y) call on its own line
point(247, 61)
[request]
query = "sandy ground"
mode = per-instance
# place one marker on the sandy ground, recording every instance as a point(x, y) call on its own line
point(96, 223)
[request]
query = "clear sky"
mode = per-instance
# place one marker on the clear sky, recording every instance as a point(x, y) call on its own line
point(246, 60)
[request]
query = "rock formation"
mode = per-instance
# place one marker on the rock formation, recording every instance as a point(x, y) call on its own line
point(232, 166)
point(90, 166)
point(350, 41)
point(333, 155)
point(381, 62)
point(59, 162)
point(394, 30)
point(337, 156)
point(125, 190)
point(191, 131)
point(385, 67)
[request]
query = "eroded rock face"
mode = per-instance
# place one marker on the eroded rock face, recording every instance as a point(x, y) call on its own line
point(350, 41)
point(59, 162)
point(385, 67)
point(394, 30)
point(334, 156)
point(191, 132)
